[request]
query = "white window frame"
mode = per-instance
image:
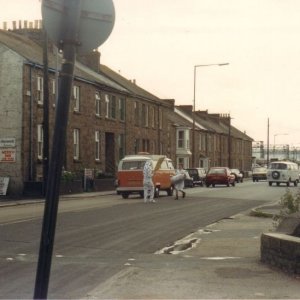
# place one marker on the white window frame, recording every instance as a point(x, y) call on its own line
point(76, 141)
point(98, 104)
point(97, 145)
point(40, 89)
point(107, 105)
point(76, 96)
point(122, 109)
point(40, 141)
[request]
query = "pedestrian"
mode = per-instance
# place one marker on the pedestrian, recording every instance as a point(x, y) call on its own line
point(147, 182)
point(179, 185)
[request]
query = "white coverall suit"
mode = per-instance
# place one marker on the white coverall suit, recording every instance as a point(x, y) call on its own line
point(148, 183)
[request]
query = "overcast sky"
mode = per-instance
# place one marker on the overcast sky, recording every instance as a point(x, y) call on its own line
point(158, 43)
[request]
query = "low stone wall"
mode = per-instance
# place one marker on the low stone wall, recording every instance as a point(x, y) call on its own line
point(281, 250)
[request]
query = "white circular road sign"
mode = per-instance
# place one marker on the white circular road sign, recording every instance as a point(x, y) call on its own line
point(97, 18)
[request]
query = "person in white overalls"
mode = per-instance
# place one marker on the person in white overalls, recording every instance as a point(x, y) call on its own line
point(148, 183)
point(179, 186)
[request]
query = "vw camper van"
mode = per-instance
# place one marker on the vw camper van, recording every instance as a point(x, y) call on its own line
point(283, 172)
point(130, 174)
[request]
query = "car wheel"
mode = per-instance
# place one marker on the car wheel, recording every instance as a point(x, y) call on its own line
point(295, 182)
point(207, 185)
point(125, 195)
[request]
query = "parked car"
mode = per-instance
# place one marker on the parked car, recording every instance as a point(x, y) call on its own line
point(188, 181)
point(283, 172)
point(198, 175)
point(219, 175)
point(259, 173)
point(130, 174)
point(239, 176)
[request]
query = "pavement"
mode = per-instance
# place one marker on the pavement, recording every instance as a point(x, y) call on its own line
point(219, 261)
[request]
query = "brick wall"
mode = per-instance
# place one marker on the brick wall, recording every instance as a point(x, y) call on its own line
point(282, 251)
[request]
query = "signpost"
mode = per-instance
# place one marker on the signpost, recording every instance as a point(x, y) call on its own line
point(75, 26)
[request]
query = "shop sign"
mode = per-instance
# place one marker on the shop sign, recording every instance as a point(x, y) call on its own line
point(7, 142)
point(7, 155)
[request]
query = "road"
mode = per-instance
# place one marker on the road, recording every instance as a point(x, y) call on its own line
point(96, 237)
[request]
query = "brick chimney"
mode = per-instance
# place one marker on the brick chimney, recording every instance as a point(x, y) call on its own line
point(91, 60)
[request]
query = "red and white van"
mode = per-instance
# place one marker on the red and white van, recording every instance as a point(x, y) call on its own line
point(130, 174)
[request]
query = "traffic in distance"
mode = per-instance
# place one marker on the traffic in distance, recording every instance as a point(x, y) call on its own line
point(130, 175)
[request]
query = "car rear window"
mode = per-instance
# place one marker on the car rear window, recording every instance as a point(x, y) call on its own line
point(259, 170)
point(216, 171)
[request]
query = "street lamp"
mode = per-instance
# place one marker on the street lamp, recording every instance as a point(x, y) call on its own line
point(194, 104)
point(277, 134)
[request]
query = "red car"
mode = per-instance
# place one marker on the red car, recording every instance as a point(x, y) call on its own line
point(219, 175)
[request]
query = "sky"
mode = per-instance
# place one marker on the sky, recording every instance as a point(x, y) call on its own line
point(158, 43)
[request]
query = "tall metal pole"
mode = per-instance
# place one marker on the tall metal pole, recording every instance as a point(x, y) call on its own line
point(194, 109)
point(45, 114)
point(229, 142)
point(268, 143)
point(58, 148)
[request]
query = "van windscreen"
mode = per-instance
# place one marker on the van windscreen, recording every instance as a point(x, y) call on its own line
point(133, 165)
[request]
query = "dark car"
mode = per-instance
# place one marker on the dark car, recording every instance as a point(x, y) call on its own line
point(198, 175)
point(188, 181)
point(219, 175)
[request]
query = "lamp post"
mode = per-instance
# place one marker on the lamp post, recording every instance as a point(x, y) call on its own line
point(277, 134)
point(194, 105)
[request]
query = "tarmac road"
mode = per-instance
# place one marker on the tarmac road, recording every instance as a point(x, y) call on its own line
point(220, 259)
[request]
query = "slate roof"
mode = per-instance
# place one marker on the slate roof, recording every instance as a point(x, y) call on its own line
point(215, 123)
point(33, 53)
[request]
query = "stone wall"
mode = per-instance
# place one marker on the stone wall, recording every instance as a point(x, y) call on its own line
point(282, 251)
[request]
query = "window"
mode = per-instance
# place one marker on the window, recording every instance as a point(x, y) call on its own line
point(113, 107)
point(76, 96)
point(40, 90)
point(180, 139)
point(160, 119)
point(53, 86)
point(76, 144)
point(136, 114)
point(145, 145)
point(152, 117)
point(97, 104)
point(145, 115)
point(122, 109)
point(97, 145)
point(110, 106)
point(40, 141)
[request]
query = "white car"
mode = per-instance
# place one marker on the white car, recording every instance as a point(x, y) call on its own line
point(239, 177)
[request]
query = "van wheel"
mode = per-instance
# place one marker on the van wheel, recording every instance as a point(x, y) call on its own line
point(125, 195)
point(156, 192)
